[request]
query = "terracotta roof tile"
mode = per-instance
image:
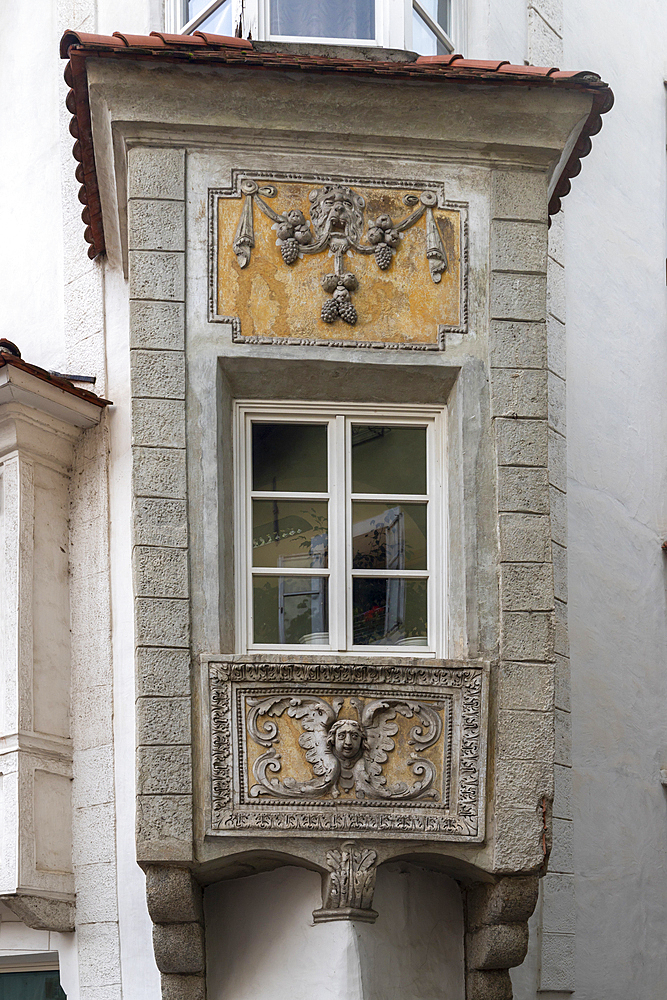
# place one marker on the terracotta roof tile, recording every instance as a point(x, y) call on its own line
point(223, 50)
point(6, 358)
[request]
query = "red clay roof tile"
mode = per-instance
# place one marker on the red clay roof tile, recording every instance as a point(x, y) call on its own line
point(223, 50)
point(6, 358)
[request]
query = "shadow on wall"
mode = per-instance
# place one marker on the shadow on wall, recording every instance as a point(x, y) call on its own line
point(262, 942)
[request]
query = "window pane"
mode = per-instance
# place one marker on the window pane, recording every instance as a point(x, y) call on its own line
point(289, 533)
point(217, 23)
point(388, 612)
point(290, 609)
point(440, 11)
point(323, 19)
point(388, 459)
point(388, 536)
point(30, 986)
point(424, 40)
point(289, 457)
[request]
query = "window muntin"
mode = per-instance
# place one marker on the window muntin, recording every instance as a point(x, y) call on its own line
point(348, 560)
point(432, 27)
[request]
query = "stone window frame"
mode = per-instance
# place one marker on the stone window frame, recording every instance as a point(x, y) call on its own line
point(435, 419)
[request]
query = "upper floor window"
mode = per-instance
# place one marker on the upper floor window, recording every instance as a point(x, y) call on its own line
point(424, 26)
point(339, 528)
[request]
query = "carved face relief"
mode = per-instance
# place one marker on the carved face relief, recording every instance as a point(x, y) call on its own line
point(346, 740)
point(337, 211)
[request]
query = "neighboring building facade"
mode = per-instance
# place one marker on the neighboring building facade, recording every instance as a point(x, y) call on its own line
point(333, 644)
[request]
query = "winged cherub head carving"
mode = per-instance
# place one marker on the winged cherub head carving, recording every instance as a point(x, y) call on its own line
point(346, 740)
point(337, 211)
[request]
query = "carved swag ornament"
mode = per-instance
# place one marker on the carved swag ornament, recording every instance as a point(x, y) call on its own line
point(337, 224)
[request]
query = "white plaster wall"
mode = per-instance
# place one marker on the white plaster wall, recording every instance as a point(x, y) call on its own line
point(261, 940)
point(615, 245)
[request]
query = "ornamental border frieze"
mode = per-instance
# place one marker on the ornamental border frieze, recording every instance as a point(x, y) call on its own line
point(247, 185)
point(348, 793)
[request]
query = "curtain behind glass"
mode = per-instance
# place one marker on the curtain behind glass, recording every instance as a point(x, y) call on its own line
point(323, 18)
point(30, 986)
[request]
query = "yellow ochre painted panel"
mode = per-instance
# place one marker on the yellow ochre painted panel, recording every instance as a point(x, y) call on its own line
point(399, 305)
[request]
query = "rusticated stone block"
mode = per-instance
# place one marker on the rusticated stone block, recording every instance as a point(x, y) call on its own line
point(158, 521)
point(527, 586)
point(160, 472)
point(488, 985)
point(525, 538)
point(158, 423)
point(557, 420)
point(501, 946)
point(163, 672)
point(183, 988)
point(526, 686)
point(158, 374)
point(519, 194)
point(160, 572)
point(164, 769)
point(157, 275)
point(164, 828)
point(523, 782)
point(518, 246)
point(163, 721)
point(519, 392)
point(521, 442)
point(158, 326)
point(179, 949)
point(156, 225)
point(173, 895)
point(156, 173)
point(527, 636)
point(513, 344)
point(515, 296)
point(507, 901)
point(523, 491)
point(162, 622)
point(525, 735)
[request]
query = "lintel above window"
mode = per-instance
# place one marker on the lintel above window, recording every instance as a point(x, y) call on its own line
point(429, 27)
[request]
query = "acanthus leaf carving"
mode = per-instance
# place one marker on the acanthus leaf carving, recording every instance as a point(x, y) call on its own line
point(348, 888)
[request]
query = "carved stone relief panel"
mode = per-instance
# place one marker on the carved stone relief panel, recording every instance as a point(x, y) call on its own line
point(331, 749)
point(337, 261)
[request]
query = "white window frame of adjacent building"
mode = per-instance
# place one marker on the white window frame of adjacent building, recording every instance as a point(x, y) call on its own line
point(393, 23)
point(339, 418)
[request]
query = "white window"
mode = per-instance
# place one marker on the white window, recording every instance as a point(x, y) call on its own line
point(340, 534)
point(424, 26)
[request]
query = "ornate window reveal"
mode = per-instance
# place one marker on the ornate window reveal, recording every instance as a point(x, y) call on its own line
point(424, 26)
point(340, 541)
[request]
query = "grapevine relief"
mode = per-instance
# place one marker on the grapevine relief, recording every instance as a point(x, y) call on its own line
point(337, 224)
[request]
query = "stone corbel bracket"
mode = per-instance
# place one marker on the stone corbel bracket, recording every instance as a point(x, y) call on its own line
point(174, 900)
point(497, 934)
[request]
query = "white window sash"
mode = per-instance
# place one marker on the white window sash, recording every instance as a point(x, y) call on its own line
point(339, 571)
point(393, 23)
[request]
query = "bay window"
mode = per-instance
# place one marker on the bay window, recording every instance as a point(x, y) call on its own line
point(340, 541)
point(429, 27)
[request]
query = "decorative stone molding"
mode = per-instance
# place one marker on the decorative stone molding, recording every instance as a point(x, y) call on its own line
point(175, 905)
point(328, 214)
point(364, 733)
point(497, 934)
point(347, 892)
point(41, 913)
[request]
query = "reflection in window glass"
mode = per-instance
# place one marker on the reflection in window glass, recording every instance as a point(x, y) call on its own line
point(289, 457)
point(30, 986)
point(440, 11)
point(389, 611)
point(424, 41)
point(386, 536)
point(323, 19)
point(290, 609)
point(388, 459)
point(289, 533)
point(217, 23)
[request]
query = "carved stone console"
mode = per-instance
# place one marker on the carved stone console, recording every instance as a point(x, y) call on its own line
point(333, 751)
